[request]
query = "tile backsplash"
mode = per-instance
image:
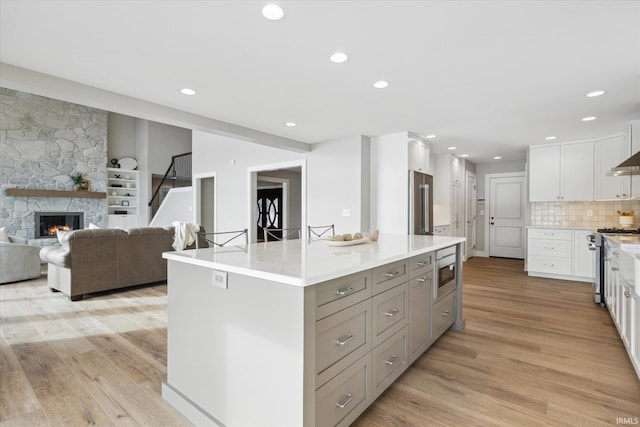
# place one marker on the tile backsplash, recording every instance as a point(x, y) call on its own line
point(583, 214)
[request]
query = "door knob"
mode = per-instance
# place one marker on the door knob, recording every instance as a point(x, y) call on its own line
point(491, 223)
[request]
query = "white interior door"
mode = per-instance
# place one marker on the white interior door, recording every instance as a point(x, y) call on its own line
point(507, 216)
point(470, 209)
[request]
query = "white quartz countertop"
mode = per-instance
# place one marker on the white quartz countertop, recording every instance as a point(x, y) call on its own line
point(298, 263)
point(629, 243)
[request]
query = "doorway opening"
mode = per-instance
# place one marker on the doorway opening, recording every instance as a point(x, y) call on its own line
point(277, 198)
point(505, 222)
point(204, 201)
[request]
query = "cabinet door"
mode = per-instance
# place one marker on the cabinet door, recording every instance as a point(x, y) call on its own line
point(418, 156)
point(610, 153)
point(456, 171)
point(544, 173)
point(584, 259)
point(420, 291)
point(577, 168)
point(635, 332)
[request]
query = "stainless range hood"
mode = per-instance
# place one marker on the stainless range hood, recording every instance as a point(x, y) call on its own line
point(631, 166)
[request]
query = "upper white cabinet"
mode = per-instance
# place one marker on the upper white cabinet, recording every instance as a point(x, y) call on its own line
point(448, 193)
point(610, 152)
point(561, 172)
point(419, 155)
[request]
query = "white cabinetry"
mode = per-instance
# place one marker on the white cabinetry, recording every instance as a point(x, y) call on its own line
point(561, 172)
point(609, 153)
point(419, 155)
point(122, 197)
point(560, 253)
point(622, 301)
point(584, 262)
point(448, 193)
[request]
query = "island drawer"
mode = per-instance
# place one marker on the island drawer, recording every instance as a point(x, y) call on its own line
point(389, 360)
point(389, 312)
point(341, 400)
point(387, 276)
point(341, 339)
point(444, 314)
point(420, 264)
point(338, 294)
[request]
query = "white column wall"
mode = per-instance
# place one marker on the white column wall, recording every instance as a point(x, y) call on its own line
point(390, 183)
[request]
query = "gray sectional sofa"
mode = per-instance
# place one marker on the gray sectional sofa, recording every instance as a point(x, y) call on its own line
point(88, 261)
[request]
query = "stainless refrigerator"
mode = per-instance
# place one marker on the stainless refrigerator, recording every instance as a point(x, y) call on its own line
point(420, 203)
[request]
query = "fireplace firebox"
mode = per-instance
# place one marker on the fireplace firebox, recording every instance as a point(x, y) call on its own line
point(47, 223)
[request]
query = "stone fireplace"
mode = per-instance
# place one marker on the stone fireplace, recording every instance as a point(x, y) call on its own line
point(48, 223)
point(42, 142)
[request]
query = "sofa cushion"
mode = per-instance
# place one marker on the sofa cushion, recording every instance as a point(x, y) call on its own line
point(57, 255)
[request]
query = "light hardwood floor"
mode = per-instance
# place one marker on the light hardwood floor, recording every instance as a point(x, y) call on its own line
point(534, 352)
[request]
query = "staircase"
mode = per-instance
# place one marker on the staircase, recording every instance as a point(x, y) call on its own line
point(179, 174)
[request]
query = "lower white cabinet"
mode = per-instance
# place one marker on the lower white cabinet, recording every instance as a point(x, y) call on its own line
point(560, 253)
point(123, 222)
point(634, 350)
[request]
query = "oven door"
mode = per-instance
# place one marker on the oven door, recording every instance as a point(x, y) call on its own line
point(446, 279)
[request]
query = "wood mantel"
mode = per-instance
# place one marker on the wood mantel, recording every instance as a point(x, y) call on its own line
point(29, 192)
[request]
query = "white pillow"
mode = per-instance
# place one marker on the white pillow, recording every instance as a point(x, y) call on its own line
point(4, 237)
point(92, 226)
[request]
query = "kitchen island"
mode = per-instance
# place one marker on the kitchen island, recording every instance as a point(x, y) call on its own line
point(301, 334)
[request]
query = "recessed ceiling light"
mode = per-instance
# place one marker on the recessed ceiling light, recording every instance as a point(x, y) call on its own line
point(497, 157)
point(272, 12)
point(187, 91)
point(431, 136)
point(381, 84)
point(451, 148)
point(339, 57)
point(588, 119)
point(464, 155)
point(290, 124)
point(595, 93)
point(550, 138)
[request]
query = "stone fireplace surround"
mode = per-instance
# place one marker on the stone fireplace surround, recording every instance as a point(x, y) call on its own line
point(42, 142)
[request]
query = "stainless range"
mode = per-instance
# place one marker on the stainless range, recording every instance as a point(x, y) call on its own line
point(596, 243)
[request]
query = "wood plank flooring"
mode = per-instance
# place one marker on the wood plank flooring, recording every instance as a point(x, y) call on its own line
point(534, 352)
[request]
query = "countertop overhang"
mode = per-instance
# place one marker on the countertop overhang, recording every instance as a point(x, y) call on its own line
point(299, 263)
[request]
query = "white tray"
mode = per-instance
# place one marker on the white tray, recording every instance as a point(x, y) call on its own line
point(346, 243)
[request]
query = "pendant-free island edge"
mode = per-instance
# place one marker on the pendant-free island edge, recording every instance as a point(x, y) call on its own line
point(294, 333)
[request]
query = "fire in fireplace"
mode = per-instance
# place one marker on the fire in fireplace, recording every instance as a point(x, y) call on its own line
point(47, 223)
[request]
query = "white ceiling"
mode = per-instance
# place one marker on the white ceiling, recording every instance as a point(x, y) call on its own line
point(489, 77)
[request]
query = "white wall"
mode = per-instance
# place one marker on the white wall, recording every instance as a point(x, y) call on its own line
point(334, 178)
point(121, 140)
point(390, 183)
point(177, 206)
point(164, 142)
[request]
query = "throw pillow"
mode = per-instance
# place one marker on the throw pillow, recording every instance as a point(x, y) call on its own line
point(60, 235)
point(92, 226)
point(4, 237)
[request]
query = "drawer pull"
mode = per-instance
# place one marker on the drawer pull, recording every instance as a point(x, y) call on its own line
point(348, 338)
point(423, 263)
point(392, 312)
point(548, 234)
point(549, 265)
point(344, 291)
point(392, 274)
point(341, 405)
point(422, 279)
point(394, 357)
point(445, 313)
point(549, 247)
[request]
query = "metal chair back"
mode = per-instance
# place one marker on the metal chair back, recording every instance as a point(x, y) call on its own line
point(276, 234)
point(321, 232)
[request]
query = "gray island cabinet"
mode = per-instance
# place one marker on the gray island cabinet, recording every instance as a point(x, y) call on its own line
point(301, 334)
